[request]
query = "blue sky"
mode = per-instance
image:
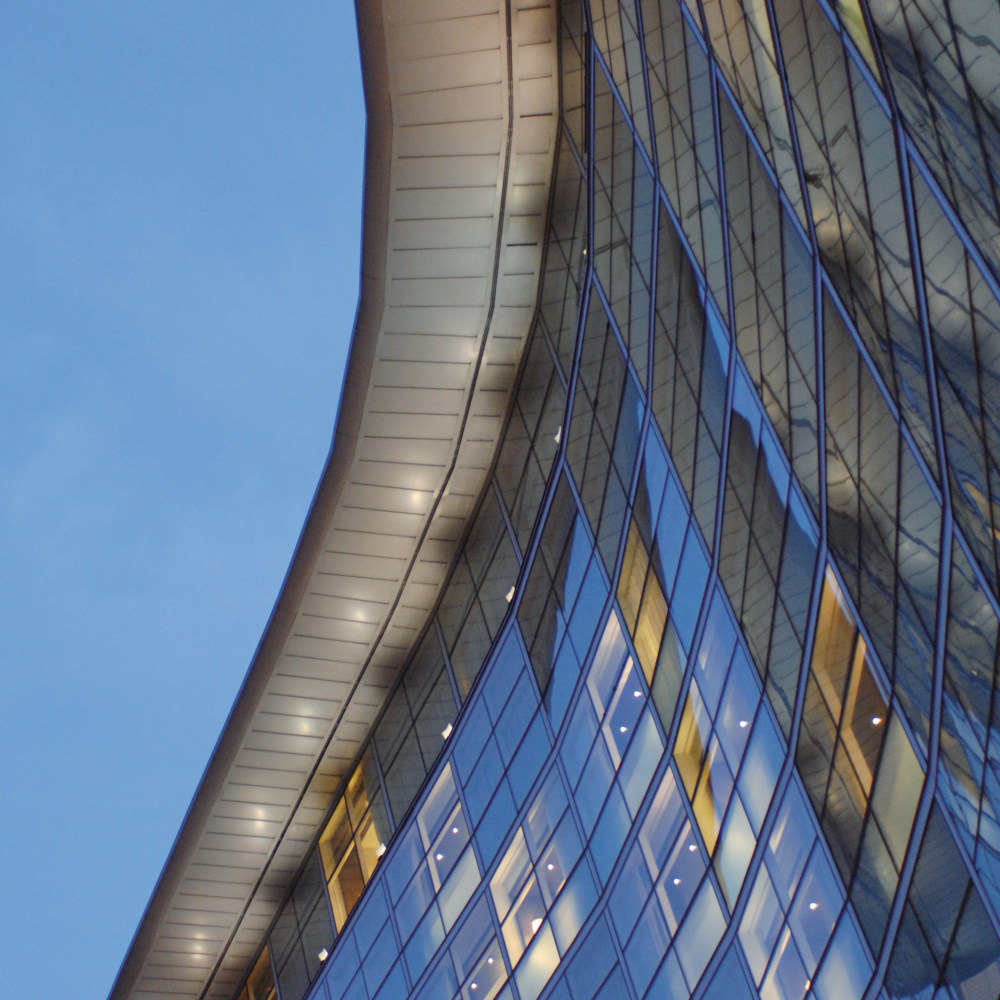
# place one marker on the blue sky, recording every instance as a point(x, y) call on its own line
point(179, 255)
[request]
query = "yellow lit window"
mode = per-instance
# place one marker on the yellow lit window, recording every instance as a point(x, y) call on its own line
point(260, 982)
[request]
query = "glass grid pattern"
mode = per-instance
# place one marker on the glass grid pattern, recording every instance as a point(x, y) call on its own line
point(707, 706)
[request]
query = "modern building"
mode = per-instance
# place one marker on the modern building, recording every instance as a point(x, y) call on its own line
point(642, 639)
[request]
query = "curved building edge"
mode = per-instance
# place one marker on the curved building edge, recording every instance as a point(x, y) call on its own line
point(442, 81)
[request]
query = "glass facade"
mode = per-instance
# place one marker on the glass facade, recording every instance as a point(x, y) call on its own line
point(706, 707)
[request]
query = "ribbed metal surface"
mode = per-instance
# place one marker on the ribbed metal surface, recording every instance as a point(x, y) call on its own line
point(456, 196)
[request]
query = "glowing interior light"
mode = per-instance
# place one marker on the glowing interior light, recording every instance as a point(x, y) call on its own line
point(623, 729)
point(743, 723)
point(584, 251)
point(454, 829)
point(446, 732)
point(535, 924)
point(489, 961)
point(814, 906)
point(692, 847)
point(876, 720)
point(323, 954)
point(439, 857)
point(474, 986)
point(558, 436)
point(677, 881)
point(509, 596)
point(380, 850)
point(636, 694)
point(550, 866)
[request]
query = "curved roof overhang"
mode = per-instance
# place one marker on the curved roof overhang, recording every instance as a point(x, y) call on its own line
point(462, 101)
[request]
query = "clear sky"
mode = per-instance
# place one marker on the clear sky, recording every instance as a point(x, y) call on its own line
point(179, 256)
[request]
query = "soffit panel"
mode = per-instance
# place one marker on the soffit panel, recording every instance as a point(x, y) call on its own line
point(304, 710)
point(411, 39)
point(421, 481)
point(445, 205)
point(416, 402)
point(402, 12)
point(431, 291)
point(402, 499)
point(369, 545)
point(452, 103)
point(406, 524)
point(459, 70)
point(444, 171)
point(469, 138)
point(427, 234)
point(289, 680)
point(442, 374)
point(430, 347)
point(364, 596)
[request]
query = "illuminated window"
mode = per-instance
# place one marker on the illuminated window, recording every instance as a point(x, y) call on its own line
point(260, 982)
point(476, 956)
point(531, 877)
point(857, 763)
point(354, 840)
point(642, 602)
point(341, 865)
